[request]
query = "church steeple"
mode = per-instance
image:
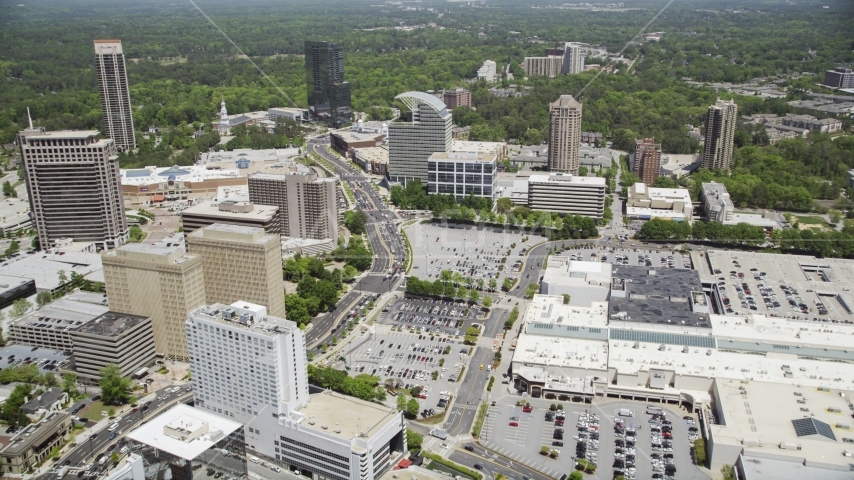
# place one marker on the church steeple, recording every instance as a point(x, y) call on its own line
point(222, 112)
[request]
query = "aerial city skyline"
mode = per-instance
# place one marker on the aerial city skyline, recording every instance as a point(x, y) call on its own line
point(430, 239)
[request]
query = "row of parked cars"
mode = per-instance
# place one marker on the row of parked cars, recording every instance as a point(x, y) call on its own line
point(661, 433)
point(587, 437)
point(625, 436)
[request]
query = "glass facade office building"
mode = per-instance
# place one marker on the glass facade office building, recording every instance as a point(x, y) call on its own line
point(328, 93)
point(410, 144)
point(462, 174)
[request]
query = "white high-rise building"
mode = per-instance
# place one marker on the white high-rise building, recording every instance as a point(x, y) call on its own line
point(246, 363)
point(488, 71)
point(410, 144)
point(252, 367)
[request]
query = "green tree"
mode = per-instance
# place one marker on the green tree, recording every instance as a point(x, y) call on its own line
point(412, 407)
point(8, 191)
point(14, 247)
point(576, 475)
point(474, 296)
point(507, 284)
point(487, 301)
point(115, 389)
point(355, 220)
point(43, 298)
point(566, 299)
point(12, 407)
point(414, 440)
point(20, 307)
point(49, 380)
point(69, 384)
point(401, 403)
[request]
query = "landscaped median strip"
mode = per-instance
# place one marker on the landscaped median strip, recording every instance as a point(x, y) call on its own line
point(452, 465)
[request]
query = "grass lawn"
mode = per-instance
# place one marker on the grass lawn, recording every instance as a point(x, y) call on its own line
point(438, 467)
point(806, 220)
point(93, 411)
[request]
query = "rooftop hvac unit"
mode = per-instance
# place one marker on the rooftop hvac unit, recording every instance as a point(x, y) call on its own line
point(228, 314)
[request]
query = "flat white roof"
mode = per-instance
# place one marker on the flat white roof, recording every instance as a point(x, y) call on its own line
point(559, 178)
point(152, 432)
point(195, 173)
point(348, 415)
point(757, 416)
point(549, 309)
point(44, 267)
point(654, 213)
point(561, 351)
point(211, 209)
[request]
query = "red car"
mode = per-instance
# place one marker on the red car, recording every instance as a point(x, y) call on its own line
point(527, 409)
point(514, 424)
point(559, 423)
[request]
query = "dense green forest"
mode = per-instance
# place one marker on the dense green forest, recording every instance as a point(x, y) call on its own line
point(180, 67)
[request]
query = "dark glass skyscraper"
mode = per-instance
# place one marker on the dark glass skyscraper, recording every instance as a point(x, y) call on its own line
point(328, 92)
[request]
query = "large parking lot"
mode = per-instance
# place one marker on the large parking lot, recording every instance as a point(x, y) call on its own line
point(470, 251)
point(629, 256)
point(403, 360)
point(621, 438)
point(438, 317)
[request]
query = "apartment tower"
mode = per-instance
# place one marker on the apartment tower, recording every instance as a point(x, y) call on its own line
point(410, 144)
point(573, 61)
point(720, 130)
point(328, 93)
point(564, 135)
point(246, 362)
point(308, 205)
point(240, 263)
point(647, 160)
point(162, 283)
point(75, 187)
point(115, 96)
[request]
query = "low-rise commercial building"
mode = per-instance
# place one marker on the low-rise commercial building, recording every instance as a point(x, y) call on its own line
point(246, 214)
point(31, 446)
point(457, 97)
point(184, 439)
point(51, 400)
point(13, 288)
point(567, 194)
point(15, 215)
point(44, 268)
point(839, 77)
point(124, 340)
point(372, 159)
point(296, 114)
point(462, 174)
point(344, 142)
point(647, 203)
point(585, 282)
point(499, 149)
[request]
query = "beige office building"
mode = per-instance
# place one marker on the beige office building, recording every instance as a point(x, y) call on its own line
point(241, 263)
point(120, 339)
point(564, 135)
point(308, 205)
point(720, 132)
point(74, 186)
point(246, 214)
point(162, 283)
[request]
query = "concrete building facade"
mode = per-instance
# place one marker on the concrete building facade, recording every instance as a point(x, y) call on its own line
point(573, 61)
point(716, 203)
point(487, 71)
point(345, 142)
point(74, 185)
point(462, 174)
point(720, 131)
point(647, 203)
point(230, 212)
point(162, 283)
point(115, 95)
point(564, 135)
point(124, 340)
point(308, 206)
point(549, 66)
point(240, 263)
point(647, 160)
point(839, 77)
point(32, 444)
point(410, 144)
point(567, 194)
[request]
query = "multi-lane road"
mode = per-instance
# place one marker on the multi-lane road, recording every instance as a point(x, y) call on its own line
point(98, 442)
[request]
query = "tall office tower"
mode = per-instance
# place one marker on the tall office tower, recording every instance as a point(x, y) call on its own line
point(308, 205)
point(240, 263)
point(573, 62)
point(564, 135)
point(458, 97)
point(839, 77)
point(720, 130)
point(115, 96)
point(647, 162)
point(410, 144)
point(328, 92)
point(246, 363)
point(75, 187)
point(162, 283)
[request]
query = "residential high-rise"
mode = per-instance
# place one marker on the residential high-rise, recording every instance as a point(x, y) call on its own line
point(549, 66)
point(647, 160)
point(328, 92)
point(573, 61)
point(75, 187)
point(308, 206)
point(410, 144)
point(458, 97)
point(720, 131)
point(115, 95)
point(245, 361)
point(240, 263)
point(162, 283)
point(564, 135)
point(252, 367)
